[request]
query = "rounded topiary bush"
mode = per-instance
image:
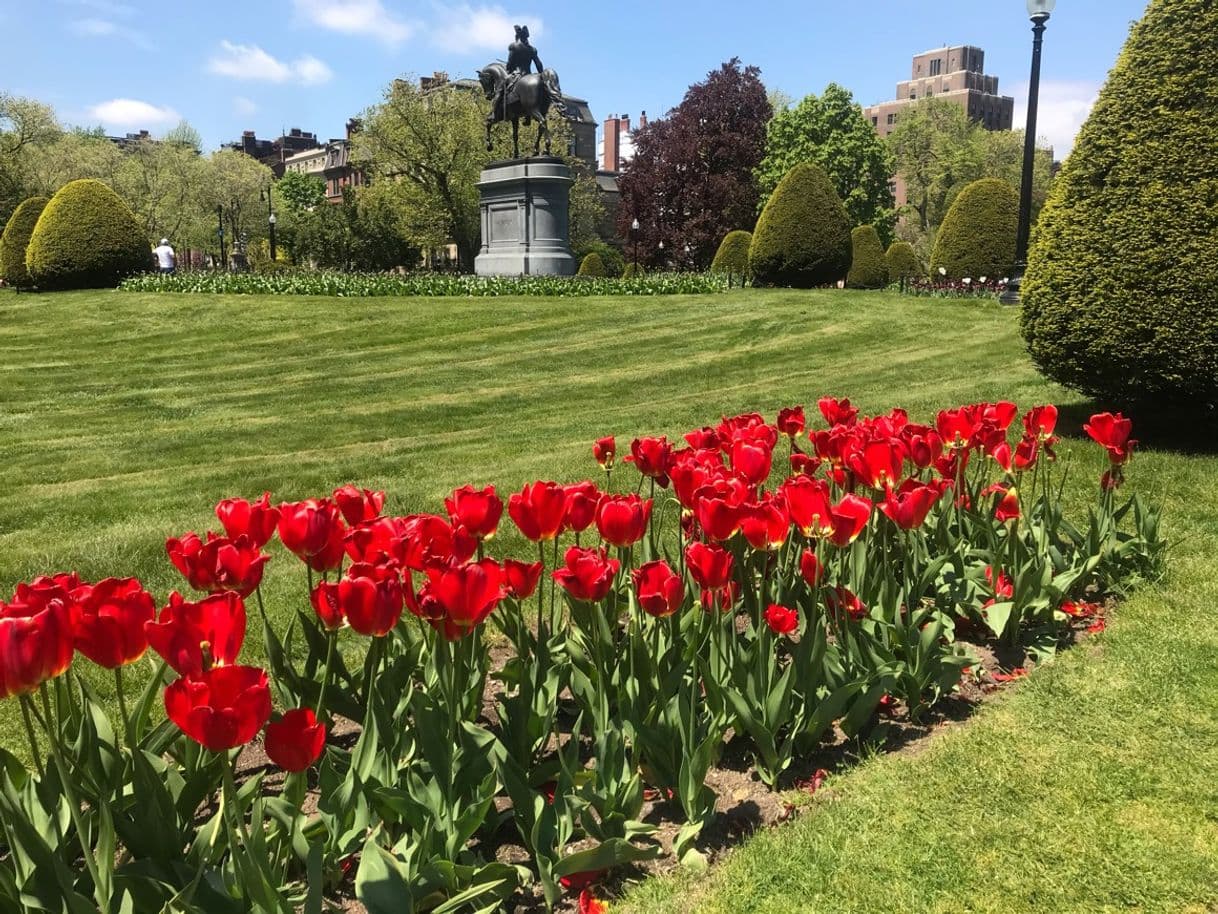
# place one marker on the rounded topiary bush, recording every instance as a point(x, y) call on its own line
point(16, 239)
point(803, 236)
point(611, 258)
point(592, 265)
point(901, 262)
point(86, 238)
point(977, 237)
point(632, 271)
point(867, 267)
point(1120, 298)
point(732, 257)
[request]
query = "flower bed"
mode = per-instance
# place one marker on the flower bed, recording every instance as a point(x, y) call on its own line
point(981, 287)
point(715, 606)
point(313, 282)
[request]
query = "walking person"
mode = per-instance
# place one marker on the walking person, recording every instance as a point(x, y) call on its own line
point(166, 259)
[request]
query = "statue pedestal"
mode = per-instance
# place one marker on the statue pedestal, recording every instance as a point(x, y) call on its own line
point(525, 230)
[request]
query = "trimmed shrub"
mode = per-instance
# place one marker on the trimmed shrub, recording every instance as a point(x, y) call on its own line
point(86, 238)
point(16, 239)
point(632, 271)
point(592, 265)
point(1119, 298)
point(977, 237)
point(867, 267)
point(610, 256)
point(803, 236)
point(901, 262)
point(732, 257)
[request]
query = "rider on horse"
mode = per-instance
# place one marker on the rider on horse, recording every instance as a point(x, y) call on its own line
point(521, 57)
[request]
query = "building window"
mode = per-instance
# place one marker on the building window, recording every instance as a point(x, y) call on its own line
point(930, 93)
point(936, 67)
point(875, 121)
point(892, 119)
point(913, 96)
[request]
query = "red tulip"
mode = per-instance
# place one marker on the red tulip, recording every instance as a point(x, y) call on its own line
point(582, 501)
point(108, 622)
point(220, 564)
point(194, 637)
point(1003, 587)
point(849, 516)
point(650, 456)
point(703, 439)
point(660, 589)
point(842, 599)
point(622, 519)
point(747, 426)
point(190, 556)
point(538, 510)
point(811, 568)
point(908, 506)
point(722, 600)
point(780, 619)
point(838, 412)
point(752, 461)
point(372, 598)
point(690, 470)
point(328, 606)
point(710, 566)
point(478, 511)
point(221, 708)
point(765, 524)
point(1008, 505)
point(468, 594)
point(957, 426)
point(719, 518)
point(1000, 414)
point(589, 904)
point(879, 462)
point(380, 541)
point(808, 504)
point(924, 446)
point(431, 541)
point(1112, 433)
point(256, 520)
point(295, 741)
point(791, 421)
point(804, 464)
point(604, 450)
point(588, 575)
point(521, 578)
point(358, 505)
point(1040, 421)
point(35, 639)
point(313, 530)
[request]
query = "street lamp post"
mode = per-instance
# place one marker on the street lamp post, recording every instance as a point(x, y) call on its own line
point(1039, 11)
point(270, 220)
point(634, 239)
point(220, 234)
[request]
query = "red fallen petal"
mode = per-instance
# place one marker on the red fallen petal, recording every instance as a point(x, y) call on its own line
point(1097, 626)
point(588, 903)
point(1016, 673)
point(812, 784)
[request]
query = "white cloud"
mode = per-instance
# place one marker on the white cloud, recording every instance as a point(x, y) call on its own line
point(1063, 108)
point(464, 28)
point(243, 106)
point(130, 112)
point(106, 7)
point(250, 62)
point(356, 17)
point(104, 28)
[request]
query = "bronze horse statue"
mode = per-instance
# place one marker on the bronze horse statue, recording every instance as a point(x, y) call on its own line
point(530, 98)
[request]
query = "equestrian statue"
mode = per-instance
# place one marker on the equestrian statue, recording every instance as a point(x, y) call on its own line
point(515, 92)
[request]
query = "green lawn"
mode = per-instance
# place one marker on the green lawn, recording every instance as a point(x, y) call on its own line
point(1094, 786)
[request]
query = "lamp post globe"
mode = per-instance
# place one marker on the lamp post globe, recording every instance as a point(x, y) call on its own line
point(1039, 12)
point(271, 220)
point(634, 240)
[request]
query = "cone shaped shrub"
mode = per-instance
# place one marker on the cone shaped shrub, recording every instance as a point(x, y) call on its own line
point(592, 265)
point(867, 267)
point(1120, 298)
point(16, 239)
point(977, 237)
point(902, 262)
point(732, 257)
point(86, 238)
point(803, 236)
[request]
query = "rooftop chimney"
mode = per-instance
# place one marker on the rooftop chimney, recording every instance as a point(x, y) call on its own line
point(613, 144)
point(642, 120)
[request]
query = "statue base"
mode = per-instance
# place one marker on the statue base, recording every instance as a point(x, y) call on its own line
point(525, 227)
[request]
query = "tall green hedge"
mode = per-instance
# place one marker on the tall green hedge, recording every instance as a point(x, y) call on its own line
point(1120, 298)
point(803, 236)
point(732, 257)
point(86, 238)
point(867, 267)
point(16, 239)
point(902, 262)
point(591, 265)
point(977, 237)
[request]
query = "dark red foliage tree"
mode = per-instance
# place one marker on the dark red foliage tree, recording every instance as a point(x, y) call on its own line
point(691, 180)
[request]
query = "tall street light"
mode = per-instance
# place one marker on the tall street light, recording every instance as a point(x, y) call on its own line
point(634, 238)
point(1039, 11)
point(270, 219)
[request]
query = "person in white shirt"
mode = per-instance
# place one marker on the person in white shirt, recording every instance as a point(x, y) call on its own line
point(166, 260)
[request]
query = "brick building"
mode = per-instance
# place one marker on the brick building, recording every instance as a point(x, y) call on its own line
point(955, 74)
point(274, 153)
point(330, 162)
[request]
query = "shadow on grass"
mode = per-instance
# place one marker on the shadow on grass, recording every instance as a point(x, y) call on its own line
point(1154, 427)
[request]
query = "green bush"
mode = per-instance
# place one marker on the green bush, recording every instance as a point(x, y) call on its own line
point(732, 257)
point(611, 257)
point(86, 238)
point(592, 265)
point(1120, 298)
point(977, 237)
point(803, 236)
point(16, 239)
point(632, 271)
point(867, 267)
point(901, 262)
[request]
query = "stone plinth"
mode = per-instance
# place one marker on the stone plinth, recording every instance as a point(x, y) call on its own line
point(525, 230)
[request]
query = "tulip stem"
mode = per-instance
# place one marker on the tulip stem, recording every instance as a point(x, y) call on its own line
point(35, 752)
point(325, 678)
point(122, 707)
point(541, 589)
point(74, 808)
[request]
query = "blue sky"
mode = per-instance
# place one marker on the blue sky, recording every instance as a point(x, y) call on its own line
point(226, 66)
